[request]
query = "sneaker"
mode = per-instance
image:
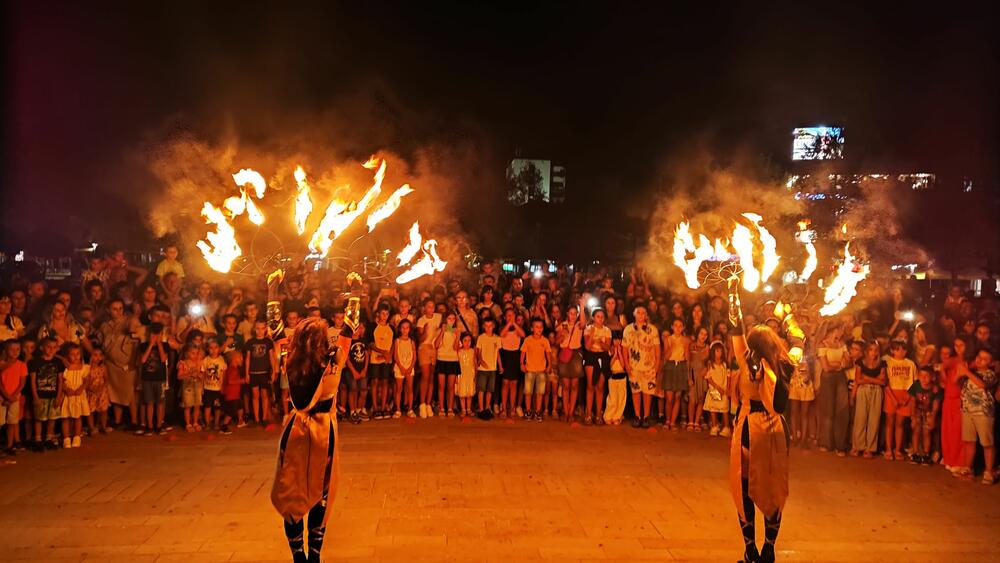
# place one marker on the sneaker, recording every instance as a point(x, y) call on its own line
point(636, 423)
point(139, 431)
point(224, 429)
point(364, 413)
point(588, 421)
point(76, 441)
point(67, 443)
point(397, 414)
point(411, 414)
point(645, 423)
point(163, 431)
point(241, 424)
point(726, 432)
point(914, 459)
point(539, 417)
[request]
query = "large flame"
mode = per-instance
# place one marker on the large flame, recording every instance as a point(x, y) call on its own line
point(411, 248)
point(743, 243)
point(427, 265)
point(252, 177)
point(221, 248)
point(390, 206)
point(804, 237)
point(684, 245)
point(770, 245)
point(303, 205)
point(339, 215)
point(844, 285)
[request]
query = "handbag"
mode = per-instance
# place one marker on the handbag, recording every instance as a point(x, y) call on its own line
point(565, 355)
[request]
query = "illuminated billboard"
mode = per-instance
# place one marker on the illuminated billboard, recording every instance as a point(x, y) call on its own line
point(528, 180)
point(817, 143)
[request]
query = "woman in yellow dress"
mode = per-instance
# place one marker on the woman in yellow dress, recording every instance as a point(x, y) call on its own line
point(758, 465)
point(306, 474)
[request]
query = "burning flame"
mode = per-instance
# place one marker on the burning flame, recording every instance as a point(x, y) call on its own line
point(427, 265)
point(843, 287)
point(252, 177)
point(390, 206)
point(684, 245)
point(253, 213)
point(803, 237)
point(303, 205)
point(221, 248)
point(411, 249)
point(339, 215)
point(770, 245)
point(743, 243)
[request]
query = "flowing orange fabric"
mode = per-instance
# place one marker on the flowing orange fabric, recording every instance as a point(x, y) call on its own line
point(305, 467)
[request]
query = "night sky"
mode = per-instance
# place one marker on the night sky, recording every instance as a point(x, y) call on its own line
point(610, 90)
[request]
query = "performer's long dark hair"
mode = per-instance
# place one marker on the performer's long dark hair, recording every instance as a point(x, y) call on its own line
point(765, 344)
point(308, 349)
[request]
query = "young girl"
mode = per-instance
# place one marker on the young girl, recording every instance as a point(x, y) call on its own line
point(190, 375)
point(467, 378)
point(699, 383)
point(676, 349)
point(74, 389)
point(231, 388)
point(97, 393)
point(617, 383)
point(447, 363)
point(716, 375)
point(404, 361)
point(552, 378)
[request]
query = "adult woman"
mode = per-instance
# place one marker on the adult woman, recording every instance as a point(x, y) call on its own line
point(61, 326)
point(833, 401)
point(952, 356)
point(306, 476)
point(11, 326)
point(758, 466)
point(923, 350)
point(612, 318)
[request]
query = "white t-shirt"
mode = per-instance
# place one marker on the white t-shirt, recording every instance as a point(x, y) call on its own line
point(489, 348)
point(600, 338)
point(215, 370)
point(429, 326)
point(447, 351)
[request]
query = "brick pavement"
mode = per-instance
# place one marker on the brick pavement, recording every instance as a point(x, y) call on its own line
point(443, 490)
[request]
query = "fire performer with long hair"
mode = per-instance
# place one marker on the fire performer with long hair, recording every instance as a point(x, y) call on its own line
point(758, 465)
point(306, 474)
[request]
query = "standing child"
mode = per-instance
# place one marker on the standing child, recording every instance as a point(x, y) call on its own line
point(380, 364)
point(551, 398)
point(46, 391)
point(926, 406)
point(978, 405)
point(213, 367)
point(13, 373)
point(487, 358)
point(698, 388)
point(261, 368)
point(74, 396)
point(902, 372)
point(447, 363)
point(404, 362)
point(190, 375)
point(869, 379)
point(357, 379)
point(510, 364)
point(97, 393)
point(152, 361)
point(467, 376)
point(716, 375)
point(618, 383)
point(534, 365)
point(232, 391)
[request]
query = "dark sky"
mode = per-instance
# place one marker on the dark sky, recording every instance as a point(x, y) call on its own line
point(612, 90)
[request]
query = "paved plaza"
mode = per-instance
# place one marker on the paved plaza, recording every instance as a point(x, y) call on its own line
point(447, 490)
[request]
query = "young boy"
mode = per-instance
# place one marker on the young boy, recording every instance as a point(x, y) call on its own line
point(926, 406)
point(978, 407)
point(487, 362)
point(357, 377)
point(245, 327)
point(534, 365)
point(380, 363)
point(170, 264)
point(230, 339)
point(13, 372)
point(261, 367)
point(46, 390)
point(152, 366)
point(214, 368)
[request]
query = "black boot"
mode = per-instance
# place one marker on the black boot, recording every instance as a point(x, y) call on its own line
point(767, 553)
point(751, 555)
point(299, 557)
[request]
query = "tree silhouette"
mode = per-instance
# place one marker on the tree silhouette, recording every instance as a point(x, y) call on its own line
point(525, 184)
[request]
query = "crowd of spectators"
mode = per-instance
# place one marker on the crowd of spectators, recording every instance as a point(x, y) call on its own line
point(897, 375)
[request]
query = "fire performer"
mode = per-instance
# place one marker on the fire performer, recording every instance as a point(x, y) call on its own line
point(758, 465)
point(306, 475)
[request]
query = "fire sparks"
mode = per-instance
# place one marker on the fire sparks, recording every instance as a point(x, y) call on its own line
point(844, 285)
point(411, 249)
point(390, 206)
point(221, 248)
point(303, 205)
